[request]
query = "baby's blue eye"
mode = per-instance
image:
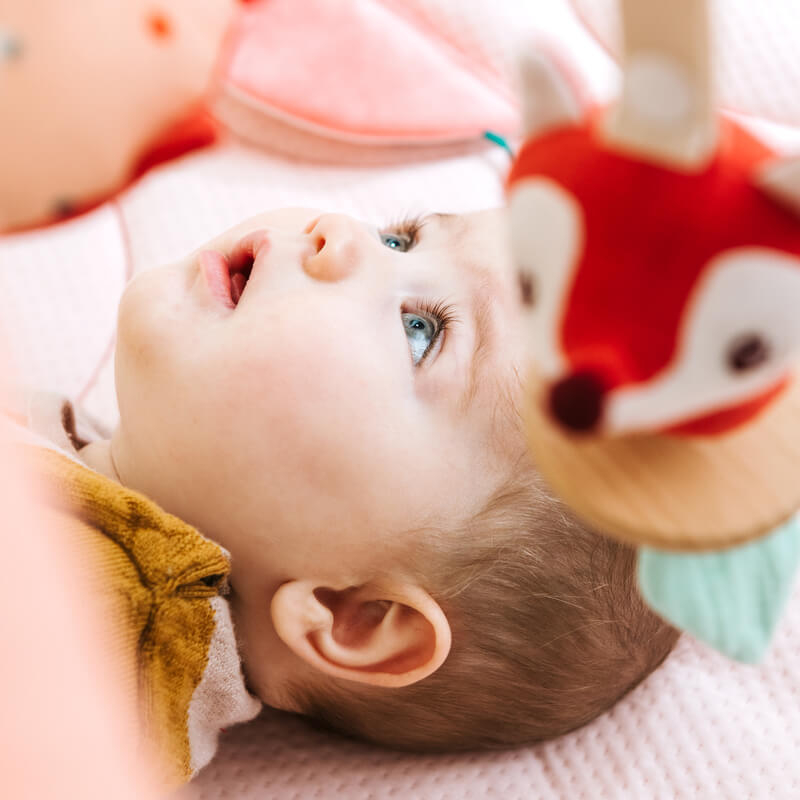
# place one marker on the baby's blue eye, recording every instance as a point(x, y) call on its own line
point(421, 333)
point(397, 241)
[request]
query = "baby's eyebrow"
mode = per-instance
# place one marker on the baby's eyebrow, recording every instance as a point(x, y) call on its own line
point(481, 320)
point(446, 220)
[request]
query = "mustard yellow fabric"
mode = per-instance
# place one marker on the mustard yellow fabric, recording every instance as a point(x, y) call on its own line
point(157, 576)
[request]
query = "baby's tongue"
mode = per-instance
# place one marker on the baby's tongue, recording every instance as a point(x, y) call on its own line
point(238, 280)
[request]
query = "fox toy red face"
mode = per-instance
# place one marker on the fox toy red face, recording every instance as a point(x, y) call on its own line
point(658, 251)
point(668, 303)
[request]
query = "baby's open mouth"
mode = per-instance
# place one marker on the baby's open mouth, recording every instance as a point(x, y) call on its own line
point(227, 275)
point(239, 271)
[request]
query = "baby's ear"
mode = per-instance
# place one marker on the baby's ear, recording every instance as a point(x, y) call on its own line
point(384, 634)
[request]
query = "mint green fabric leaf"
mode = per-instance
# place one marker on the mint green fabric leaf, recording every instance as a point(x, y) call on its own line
point(730, 599)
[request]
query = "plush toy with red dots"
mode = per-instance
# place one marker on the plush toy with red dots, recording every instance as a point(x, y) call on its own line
point(95, 94)
point(658, 250)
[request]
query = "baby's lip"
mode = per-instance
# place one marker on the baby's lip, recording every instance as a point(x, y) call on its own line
point(227, 274)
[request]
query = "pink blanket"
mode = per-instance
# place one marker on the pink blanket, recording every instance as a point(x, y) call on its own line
point(699, 727)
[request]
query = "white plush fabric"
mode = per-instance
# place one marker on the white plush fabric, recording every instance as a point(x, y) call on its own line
point(756, 67)
point(700, 727)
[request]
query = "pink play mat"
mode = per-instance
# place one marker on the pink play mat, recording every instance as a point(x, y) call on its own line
point(699, 727)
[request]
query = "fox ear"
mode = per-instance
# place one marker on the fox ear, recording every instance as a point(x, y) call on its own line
point(548, 98)
point(666, 111)
point(781, 180)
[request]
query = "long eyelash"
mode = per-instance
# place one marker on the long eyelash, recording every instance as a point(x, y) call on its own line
point(409, 225)
point(445, 316)
point(444, 313)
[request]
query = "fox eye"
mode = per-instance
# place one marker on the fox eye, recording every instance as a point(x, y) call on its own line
point(748, 352)
point(525, 282)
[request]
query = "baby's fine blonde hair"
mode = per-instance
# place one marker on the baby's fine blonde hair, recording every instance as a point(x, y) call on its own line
point(548, 632)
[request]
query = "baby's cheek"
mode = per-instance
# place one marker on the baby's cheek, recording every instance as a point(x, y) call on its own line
point(308, 352)
point(139, 347)
point(152, 324)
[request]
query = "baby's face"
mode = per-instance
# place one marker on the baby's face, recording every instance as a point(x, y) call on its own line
point(359, 389)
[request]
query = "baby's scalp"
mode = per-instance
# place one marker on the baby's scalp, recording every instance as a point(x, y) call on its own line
point(548, 630)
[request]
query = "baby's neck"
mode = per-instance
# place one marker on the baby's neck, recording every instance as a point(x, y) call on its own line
point(98, 456)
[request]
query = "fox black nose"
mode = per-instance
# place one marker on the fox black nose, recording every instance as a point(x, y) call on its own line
point(577, 401)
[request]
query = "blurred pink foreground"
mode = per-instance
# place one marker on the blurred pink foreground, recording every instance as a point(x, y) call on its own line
point(64, 730)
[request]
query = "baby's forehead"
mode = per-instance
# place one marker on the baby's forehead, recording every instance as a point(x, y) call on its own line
point(505, 431)
point(490, 412)
point(486, 217)
point(486, 227)
point(479, 245)
point(483, 243)
point(499, 379)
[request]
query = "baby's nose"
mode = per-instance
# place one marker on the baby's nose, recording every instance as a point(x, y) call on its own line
point(338, 244)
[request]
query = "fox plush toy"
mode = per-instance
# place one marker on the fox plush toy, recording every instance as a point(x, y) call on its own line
point(658, 253)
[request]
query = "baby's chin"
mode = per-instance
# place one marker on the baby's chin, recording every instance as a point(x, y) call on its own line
point(149, 315)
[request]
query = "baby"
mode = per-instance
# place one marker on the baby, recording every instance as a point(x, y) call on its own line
point(337, 406)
